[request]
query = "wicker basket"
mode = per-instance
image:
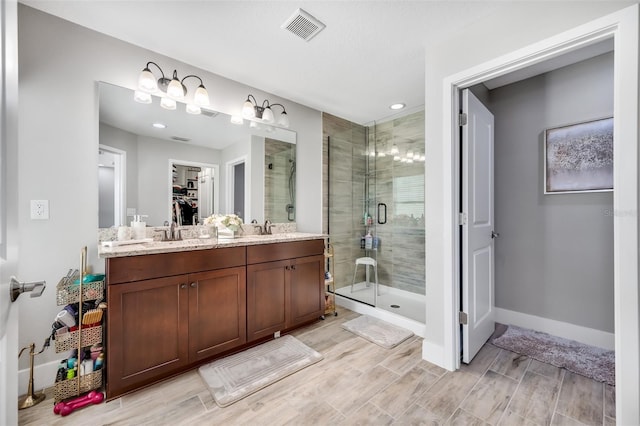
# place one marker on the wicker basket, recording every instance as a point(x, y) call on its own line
point(69, 341)
point(68, 388)
point(70, 293)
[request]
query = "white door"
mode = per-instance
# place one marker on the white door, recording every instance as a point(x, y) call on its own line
point(477, 232)
point(8, 210)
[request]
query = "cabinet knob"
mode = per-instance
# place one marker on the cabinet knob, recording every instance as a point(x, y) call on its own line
point(194, 285)
point(183, 286)
point(293, 267)
point(287, 267)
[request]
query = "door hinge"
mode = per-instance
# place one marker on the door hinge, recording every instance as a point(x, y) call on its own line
point(462, 218)
point(462, 318)
point(462, 119)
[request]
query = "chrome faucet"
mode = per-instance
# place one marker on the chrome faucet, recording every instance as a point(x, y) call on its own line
point(256, 226)
point(267, 227)
point(175, 232)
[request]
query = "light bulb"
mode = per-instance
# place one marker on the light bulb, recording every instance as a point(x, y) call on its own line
point(283, 120)
point(193, 109)
point(247, 110)
point(167, 103)
point(147, 81)
point(267, 115)
point(142, 97)
point(175, 90)
point(201, 96)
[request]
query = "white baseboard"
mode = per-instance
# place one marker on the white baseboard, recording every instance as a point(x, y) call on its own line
point(589, 336)
point(44, 376)
point(435, 355)
point(395, 319)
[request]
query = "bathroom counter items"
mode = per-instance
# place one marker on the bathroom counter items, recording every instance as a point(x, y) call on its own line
point(147, 246)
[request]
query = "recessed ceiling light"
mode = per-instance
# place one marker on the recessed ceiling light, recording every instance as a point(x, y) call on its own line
point(397, 106)
point(159, 125)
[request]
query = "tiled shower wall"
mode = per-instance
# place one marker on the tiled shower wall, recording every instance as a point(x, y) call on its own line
point(401, 255)
point(279, 159)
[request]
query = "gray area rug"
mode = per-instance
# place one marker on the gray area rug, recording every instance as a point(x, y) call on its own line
point(238, 376)
point(589, 361)
point(377, 331)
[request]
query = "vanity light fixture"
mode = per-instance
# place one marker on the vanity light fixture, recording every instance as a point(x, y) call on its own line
point(174, 88)
point(251, 109)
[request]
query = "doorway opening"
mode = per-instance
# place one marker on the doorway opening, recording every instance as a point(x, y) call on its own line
point(194, 191)
point(112, 177)
point(622, 28)
point(238, 193)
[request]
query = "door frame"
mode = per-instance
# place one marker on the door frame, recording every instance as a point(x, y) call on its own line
point(623, 27)
point(119, 184)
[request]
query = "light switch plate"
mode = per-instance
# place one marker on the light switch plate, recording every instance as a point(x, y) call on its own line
point(40, 209)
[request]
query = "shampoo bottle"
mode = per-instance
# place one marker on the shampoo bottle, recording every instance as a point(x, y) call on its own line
point(368, 241)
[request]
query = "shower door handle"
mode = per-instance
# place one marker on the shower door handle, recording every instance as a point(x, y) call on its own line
point(382, 222)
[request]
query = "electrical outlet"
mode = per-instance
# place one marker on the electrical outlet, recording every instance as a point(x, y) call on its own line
point(276, 334)
point(40, 209)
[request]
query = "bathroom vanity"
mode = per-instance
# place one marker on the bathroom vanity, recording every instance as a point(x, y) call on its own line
point(175, 305)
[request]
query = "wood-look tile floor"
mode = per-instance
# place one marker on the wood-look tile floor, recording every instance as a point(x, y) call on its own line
point(358, 382)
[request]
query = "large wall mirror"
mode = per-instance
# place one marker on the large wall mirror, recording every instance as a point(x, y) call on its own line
point(171, 165)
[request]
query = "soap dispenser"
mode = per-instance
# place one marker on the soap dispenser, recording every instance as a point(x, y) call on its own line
point(138, 227)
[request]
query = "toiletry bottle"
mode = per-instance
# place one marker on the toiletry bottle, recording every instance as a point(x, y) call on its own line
point(138, 227)
point(375, 242)
point(368, 241)
point(99, 362)
point(362, 242)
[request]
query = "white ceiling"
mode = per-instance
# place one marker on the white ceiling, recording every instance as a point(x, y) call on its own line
point(371, 53)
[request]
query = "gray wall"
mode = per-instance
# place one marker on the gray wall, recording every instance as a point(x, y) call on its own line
point(58, 137)
point(554, 257)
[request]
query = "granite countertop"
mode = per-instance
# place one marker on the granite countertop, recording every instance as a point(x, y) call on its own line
point(155, 247)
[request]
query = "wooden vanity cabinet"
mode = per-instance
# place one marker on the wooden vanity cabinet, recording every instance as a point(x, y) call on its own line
point(170, 312)
point(284, 286)
point(157, 327)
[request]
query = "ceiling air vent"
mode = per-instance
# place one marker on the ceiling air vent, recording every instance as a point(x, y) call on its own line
point(180, 139)
point(208, 113)
point(303, 25)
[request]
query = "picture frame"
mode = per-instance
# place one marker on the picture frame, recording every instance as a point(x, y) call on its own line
point(579, 157)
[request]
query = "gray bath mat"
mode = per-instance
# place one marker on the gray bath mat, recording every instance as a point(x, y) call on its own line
point(238, 376)
point(590, 361)
point(377, 331)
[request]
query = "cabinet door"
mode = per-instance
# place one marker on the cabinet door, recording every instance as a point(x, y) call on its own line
point(307, 290)
point(217, 312)
point(147, 336)
point(267, 298)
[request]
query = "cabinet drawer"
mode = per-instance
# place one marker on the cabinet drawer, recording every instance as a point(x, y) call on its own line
point(137, 268)
point(282, 251)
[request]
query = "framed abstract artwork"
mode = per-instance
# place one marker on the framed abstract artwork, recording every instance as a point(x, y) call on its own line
point(579, 157)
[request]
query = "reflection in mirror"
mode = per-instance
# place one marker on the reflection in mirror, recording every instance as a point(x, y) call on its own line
point(279, 181)
point(194, 192)
point(134, 156)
